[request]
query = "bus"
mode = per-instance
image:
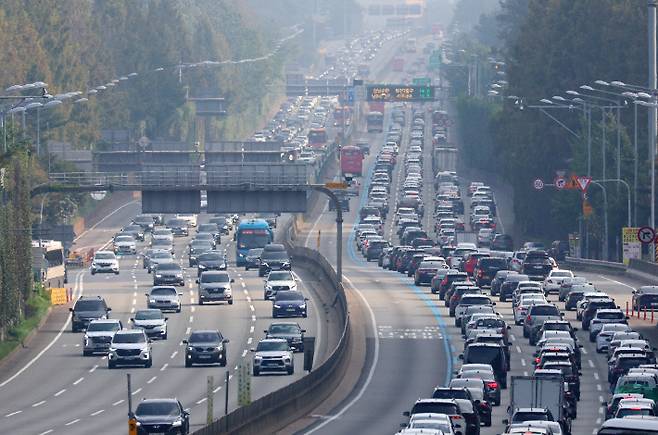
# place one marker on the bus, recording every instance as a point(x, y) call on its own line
point(375, 122)
point(342, 114)
point(351, 160)
point(251, 234)
point(317, 139)
point(48, 262)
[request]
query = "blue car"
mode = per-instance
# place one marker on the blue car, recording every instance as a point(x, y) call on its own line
point(289, 304)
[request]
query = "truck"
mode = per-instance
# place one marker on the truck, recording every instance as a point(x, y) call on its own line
point(545, 392)
point(444, 159)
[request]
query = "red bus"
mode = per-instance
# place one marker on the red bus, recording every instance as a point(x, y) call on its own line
point(317, 139)
point(375, 122)
point(342, 113)
point(351, 159)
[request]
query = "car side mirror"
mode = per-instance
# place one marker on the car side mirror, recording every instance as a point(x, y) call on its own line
point(108, 309)
point(493, 303)
point(71, 309)
point(265, 331)
point(304, 330)
point(187, 411)
point(627, 317)
point(252, 350)
point(132, 319)
point(575, 329)
point(196, 280)
point(180, 294)
point(226, 340)
point(306, 299)
point(509, 327)
point(166, 318)
point(505, 421)
point(406, 413)
point(580, 346)
point(184, 341)
point(232, 280)
point(146, 294)
point(461, 356)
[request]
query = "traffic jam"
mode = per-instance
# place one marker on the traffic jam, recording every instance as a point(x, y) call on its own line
point(422, 220)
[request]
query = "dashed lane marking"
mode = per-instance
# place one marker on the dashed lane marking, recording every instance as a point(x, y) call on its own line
point(11, 414)
point(173, 355)
point(38, 404)
point(93, 369)
point(150, 381)
point(137, 391)
point(79, 380)
point(118, 402)
point(250, 340)
point(244, 353)
point(164, 367)
point(94, 414)
point(591, 363)
point(60, 392)
point(72, 422)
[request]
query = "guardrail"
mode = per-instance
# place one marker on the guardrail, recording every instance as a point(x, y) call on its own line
point(281, 407)
point(600, 265)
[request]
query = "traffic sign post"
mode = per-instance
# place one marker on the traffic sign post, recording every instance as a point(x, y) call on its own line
point(583, 182)
point(560, 182)
point(646, 235)
point(538, 184)
point(587, 209)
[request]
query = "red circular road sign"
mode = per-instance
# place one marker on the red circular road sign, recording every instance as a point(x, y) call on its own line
point(646, 235)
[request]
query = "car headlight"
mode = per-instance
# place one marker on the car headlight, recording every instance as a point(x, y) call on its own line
point(190, 348)
point(287, 359)
point(179, 275)
point(220, 347)
point(112, 349)
point(86, 340)
point(268, 287)
point(202, 266)
point(277, 306)
point(157, 275)
point(258, 358)
point(94, 265)
point(177, 423)
point(302, 306)
point(152, 301)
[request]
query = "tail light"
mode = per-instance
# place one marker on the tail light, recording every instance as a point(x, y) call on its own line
point(536, 360)
point(480, 273)
point(529, 318)
point(455, 417)
point(492, 385)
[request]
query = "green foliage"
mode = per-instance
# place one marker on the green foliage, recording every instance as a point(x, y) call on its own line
point(476, 142)
point(36, 307)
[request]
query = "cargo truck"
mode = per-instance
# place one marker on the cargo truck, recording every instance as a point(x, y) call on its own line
point(536, 393)
point(444, 159)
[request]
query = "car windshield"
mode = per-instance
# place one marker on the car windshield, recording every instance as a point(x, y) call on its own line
point(161, 255)
point(561, 274)
point(147, 409)
point(161, 242)
point(168, 267)
point(148, 315)
point(129, 338)
point(484, 355)
point(526, 416)
point(280, 276)
point(215, 277)
point(255, 252)
point(277, 255)
point(210, 256)
point(102, 326)
point(289, 296)
point(490, 323)
point(104, 256)
point(89, 306)
point(266, 346)
point(284, 329)
point(624, 412)
point(163, 291)
point(162, 233)
point(204, 337)
point(124, 239)
point(435, 408)
point(466, 300)
point(544, 310)
point(609, 316)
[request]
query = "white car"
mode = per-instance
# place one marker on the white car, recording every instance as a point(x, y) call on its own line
point(605, 336)
point(273, 354)
point(521, 309)
point(553, 281)
point(278, 280)
point(125, 244)
point(190, 218)
point(105, 262)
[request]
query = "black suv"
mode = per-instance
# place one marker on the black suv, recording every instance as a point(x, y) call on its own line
point(488, 353)
point(162, 416)
point(592, 307)
point(205, 347)
point(536, 265)
point(86, 309)
point(486, 269)
point(273, 260)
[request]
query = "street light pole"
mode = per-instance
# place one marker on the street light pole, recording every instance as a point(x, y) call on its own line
point(628, 199)
point(605, 219)
point(652, 109)
point(635, 162)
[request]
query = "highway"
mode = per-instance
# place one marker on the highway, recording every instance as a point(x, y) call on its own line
point(412, 344)
point(62, 391)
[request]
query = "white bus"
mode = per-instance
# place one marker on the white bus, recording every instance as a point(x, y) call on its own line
point(48, 262)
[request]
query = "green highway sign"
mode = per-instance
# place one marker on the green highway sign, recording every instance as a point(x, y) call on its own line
point(422, 81)
point(392, 93)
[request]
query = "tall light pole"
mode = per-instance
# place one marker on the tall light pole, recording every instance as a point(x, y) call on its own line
point(652, 4)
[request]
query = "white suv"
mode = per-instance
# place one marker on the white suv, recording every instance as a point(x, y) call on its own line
point(105, 262)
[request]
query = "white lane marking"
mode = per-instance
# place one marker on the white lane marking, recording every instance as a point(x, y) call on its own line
point(591, 363)
point(60, 392)
point(583, 351)
point(134, 201)
point(79, 380)
point(137, 391)
point(518, 349)
point(11, 414)
point(216, 389)
point(187, 332)
point(173, 355)
point(150, 381)
point(251, 329)
point(191, 319)
point(249, 299)
point(38, 404)
point(243, 285)
point(132, 310)
point(46, 432)
point(512, 337)
point(93, 369)
point(244, 353)
point(523, 363)
point(596, 376)
point(252, 308)
point(134, 301)
point(253, 318)
point(134, 294)
point(164, 367)
point(617, 282)
point(371, 372)
point(199, 402)
point(192, 308)
point(250, 340)
point(72, 422)
point(598, 387)
point(525, 373)
point(94, 414)
point(118, 402)
point(78, 288)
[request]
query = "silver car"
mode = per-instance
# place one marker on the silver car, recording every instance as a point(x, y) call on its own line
point(98, 336)
point(152, 322)
point(130, 347)
point(273, 355)
point(165, 298)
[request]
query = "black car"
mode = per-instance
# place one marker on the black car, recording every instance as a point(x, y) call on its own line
point(197, 248)
point(273, 260)
point(536, 265)
point(211, 261)
point(592, 307)
point(375, 249)
point(289, 303)
point(168, 273)
point(162, 416)
point(508, 286)
point(559, 249)
point(252, 259)
point(178, 227)
point(488, 353)
point(502, 242)
point(134, 230)
point(86, 309)
point(450, 278)
point(498, 280)
point(487, 268)
point(290, 331)
point(205, 347)
point(212, 229)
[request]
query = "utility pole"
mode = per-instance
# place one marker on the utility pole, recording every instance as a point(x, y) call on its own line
point(652, 111)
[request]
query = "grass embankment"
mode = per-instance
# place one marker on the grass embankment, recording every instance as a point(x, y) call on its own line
point(36, 308)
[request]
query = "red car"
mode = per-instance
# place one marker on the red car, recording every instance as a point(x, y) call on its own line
point(471, 261)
